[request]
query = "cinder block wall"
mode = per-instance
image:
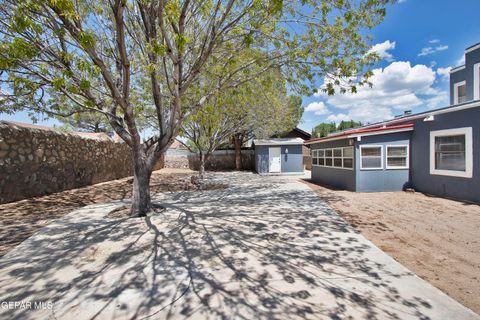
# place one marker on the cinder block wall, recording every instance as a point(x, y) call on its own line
point(223, 160)
point(36, 162)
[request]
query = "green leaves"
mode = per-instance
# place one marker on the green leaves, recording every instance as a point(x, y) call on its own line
point(86, 39)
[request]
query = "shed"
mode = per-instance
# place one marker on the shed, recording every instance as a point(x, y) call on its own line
point(278, 156)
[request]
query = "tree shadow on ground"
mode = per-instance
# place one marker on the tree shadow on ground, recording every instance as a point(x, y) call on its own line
point(259, 249)
point(19, 220)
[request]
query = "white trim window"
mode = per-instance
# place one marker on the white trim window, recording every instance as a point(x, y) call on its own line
point(371, 157)
point(451, 152)
point(397, 157)
point(476, 81)
point(459, 92)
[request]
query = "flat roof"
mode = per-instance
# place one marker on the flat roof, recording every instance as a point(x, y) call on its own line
point(278, 141)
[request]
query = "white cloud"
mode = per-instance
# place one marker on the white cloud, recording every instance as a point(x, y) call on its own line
point(431, 50)
point(337, 118)
point(433, 41)
point(319, 108)
point(382, 48)
point(444, 73)
point(396, 88)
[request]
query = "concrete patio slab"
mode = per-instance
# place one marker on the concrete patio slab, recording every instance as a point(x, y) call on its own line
point(264, 248)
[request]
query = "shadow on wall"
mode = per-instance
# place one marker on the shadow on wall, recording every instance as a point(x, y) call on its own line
point(35, 162)
point(223, 160)
point(210, 255)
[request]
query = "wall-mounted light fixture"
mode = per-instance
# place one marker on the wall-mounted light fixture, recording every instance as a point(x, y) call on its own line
point(286, 150)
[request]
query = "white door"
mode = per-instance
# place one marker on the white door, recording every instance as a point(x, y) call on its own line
point(274, 155)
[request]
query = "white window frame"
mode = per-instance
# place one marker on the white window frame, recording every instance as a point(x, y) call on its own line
point(315, 151)
point(455, 91)
point(366, 146)
point(476, 81)
point(467, 131)
point(407, 162)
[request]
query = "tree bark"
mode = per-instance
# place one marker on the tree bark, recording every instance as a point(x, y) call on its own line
point(201, 170)
point(238, 152)
point(141, 201)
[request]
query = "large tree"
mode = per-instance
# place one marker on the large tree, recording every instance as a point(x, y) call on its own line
point(130, 58)
point(260, 106)
point(269, 112)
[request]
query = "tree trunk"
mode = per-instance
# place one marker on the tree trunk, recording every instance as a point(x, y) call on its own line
point(238, 152)
point(141, 201)
point(201, 170)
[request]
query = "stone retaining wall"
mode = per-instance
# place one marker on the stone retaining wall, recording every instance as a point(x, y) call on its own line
point(36, 162)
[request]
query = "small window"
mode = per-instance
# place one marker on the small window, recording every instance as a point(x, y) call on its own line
point(451, 152)
point(348, 157)
point(459, 92)
point(397, 157)
point(371, 157)
point(337, 158)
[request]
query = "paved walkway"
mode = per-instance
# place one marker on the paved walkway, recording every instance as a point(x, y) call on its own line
point(265, 248)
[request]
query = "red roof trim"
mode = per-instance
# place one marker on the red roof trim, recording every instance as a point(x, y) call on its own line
point(360, 131)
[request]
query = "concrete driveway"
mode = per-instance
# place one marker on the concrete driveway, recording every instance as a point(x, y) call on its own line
point(265, 248)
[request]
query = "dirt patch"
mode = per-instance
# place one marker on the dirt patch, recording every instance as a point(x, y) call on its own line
point(19, 220)
point(436, 238)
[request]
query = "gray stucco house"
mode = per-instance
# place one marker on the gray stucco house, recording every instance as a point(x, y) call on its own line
point(436, 152)
point(278, 156)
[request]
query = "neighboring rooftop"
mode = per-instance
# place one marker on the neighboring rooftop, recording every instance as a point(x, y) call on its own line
point(278, 141)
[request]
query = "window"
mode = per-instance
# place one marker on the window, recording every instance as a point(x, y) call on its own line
point(328, 157)
point(348, 157)
point(338, 157)
point(371, 157)
point(451, 152)
point(476, 81)
point(397, 157)
point(459, 92)
point(321, 157)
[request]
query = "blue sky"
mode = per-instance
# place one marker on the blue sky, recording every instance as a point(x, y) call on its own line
point(419, 40)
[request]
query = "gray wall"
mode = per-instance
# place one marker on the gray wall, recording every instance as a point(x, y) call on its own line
point(466, 74)
point(336, 177)
point(381, 179)
point(221, 160)
point(454, 187)
point(291, 162)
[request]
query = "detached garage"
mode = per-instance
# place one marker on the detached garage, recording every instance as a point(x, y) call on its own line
point(278, 156)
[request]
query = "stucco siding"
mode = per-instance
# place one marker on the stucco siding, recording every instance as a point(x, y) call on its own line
point(261, 159)
point(446, 186)
point(293, 160)
point(381, 179)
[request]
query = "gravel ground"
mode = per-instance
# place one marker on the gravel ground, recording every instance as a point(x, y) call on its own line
point(436, 238)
